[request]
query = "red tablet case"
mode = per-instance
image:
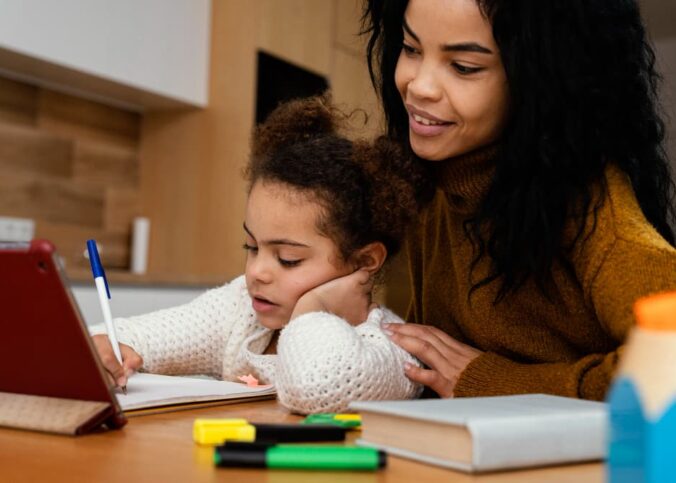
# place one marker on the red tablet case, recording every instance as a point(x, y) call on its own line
point(45, 349)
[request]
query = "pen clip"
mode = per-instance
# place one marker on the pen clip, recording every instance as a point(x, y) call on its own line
point(95, 262)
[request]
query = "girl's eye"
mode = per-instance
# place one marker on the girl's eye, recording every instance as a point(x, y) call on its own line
point(465, 70)
point(408, 50)
point(289, 263)
point(250, 248)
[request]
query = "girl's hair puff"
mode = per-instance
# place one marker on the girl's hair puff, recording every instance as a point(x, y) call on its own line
point(369, 191)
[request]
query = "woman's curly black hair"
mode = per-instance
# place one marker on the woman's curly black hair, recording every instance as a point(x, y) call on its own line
point(368, 190)
point(583, 93)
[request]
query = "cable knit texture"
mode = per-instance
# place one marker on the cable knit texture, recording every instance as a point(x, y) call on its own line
point(323, 363)
point(568, 347)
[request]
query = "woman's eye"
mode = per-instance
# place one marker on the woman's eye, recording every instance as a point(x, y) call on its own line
point(408, 50)
point(250, 248)
point(289, 263)
point(464, 69)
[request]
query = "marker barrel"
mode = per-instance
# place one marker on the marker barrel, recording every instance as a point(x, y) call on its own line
point(325, 457)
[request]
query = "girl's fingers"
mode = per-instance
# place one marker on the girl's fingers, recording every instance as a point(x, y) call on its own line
point(132, 360)
point(118, 372)
point(111, 364)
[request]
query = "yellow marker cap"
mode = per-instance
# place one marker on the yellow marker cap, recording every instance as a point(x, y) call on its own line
point(217, 431)
point(348, 417)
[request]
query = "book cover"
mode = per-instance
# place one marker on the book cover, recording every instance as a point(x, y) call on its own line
point(487, 433)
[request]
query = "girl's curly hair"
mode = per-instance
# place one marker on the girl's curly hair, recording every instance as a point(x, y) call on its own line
point(369, 191)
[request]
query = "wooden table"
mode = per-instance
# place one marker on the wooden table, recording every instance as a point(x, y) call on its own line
point(159, 448)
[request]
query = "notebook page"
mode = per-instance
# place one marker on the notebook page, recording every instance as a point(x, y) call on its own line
point(153, 390)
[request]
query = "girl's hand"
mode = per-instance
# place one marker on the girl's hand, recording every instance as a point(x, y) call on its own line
point(348, 297)
point(117, 373)
point(445, 356)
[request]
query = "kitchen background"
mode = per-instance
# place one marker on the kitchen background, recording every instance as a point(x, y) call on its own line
point(114, 110)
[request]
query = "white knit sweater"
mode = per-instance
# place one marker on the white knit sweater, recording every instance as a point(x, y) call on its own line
point(322, 362)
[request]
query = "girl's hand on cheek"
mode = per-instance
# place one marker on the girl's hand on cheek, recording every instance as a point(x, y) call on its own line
point(348, 297)
point(445, 357)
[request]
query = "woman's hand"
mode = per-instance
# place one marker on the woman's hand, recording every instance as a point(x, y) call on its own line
point(348, 297)
point(445, 356)
point(117, 373)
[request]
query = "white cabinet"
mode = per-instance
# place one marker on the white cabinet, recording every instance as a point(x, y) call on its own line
point(140, 53)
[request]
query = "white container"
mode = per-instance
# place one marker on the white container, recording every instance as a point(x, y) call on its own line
point(140, 243)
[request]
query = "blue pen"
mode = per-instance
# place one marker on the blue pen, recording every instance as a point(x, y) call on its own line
point(104, 295)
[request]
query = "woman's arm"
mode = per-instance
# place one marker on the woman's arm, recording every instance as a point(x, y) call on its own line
point(324, 363)
point(628, 270)
point(187, 339)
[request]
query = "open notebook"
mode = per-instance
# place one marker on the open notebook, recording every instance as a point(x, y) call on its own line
point(154, 391)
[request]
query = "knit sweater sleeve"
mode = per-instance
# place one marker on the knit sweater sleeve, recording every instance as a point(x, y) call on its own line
point(324, 363)
point(628, 270)
point(187, 339)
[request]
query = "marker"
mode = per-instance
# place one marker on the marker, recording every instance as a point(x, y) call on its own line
point(346, 420)
point(104, 295)
point(305, 457)
point(218, 431)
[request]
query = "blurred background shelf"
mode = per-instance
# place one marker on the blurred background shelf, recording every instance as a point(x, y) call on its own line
point(124, 277)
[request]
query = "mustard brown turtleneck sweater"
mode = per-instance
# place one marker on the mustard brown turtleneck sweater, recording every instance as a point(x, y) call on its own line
point(568, 347)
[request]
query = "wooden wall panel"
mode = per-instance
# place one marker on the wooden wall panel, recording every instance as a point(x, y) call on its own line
point(28, 150)
point(18, 102)
point(71, 242)
point(105, 165)
point(347, 26)
point(121, 206)
point(51, 199)
point(72, 166)
point(299, 31)
point(87, 120)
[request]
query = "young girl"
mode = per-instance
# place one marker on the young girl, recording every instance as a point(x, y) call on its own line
point(322, 211)
point(553, 205)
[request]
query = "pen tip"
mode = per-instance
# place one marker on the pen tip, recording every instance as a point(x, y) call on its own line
point(124, 390)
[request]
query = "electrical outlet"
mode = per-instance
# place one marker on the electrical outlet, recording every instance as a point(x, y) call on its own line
point(16, 229)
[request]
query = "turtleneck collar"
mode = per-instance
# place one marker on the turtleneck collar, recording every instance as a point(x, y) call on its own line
point(465, 179)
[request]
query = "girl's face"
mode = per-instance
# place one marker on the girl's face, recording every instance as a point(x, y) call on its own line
point(451, 78)
point(286, 255)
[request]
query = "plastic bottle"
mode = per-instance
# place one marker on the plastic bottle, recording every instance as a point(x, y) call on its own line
point(642, 400)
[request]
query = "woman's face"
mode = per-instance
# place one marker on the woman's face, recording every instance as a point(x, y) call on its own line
point(451, 78)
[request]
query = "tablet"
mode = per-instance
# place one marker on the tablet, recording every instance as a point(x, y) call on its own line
point(45, 348)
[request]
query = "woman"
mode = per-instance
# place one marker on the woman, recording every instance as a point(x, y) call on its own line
point(552, 208)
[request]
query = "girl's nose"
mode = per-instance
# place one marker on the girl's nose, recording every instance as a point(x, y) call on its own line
point(259, 269)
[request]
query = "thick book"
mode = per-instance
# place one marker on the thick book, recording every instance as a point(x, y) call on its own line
point(487, 433)
point(156, 391)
